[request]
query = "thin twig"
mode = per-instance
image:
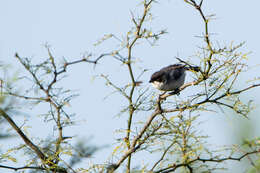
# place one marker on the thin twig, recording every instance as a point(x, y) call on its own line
point(175, 166)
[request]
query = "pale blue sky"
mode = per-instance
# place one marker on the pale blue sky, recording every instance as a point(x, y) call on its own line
point(72, 27)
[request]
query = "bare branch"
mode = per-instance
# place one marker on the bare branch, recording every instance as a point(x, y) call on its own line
point(82, 60)
point(24, 167)
point(175, 166)
point(163, 155)
point(23, 136)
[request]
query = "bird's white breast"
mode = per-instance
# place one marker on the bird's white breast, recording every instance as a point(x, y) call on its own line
point(157, 84)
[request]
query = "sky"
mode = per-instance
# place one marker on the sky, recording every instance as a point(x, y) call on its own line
point(72, 27)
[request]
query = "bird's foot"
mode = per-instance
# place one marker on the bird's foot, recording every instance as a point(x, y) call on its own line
point(175, 92)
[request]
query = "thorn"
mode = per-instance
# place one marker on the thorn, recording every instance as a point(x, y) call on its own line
point(201, 3)
point(16, 55)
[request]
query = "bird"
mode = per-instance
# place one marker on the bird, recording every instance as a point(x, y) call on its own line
point(171, 78)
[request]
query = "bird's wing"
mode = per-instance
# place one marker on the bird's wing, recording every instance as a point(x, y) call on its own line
point(175, 71)
point(165, 73)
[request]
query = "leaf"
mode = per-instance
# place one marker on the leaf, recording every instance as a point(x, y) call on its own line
point(173, 117)
point(67, 153)
point(12, 159)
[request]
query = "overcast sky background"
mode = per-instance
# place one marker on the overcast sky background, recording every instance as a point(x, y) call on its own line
point(72, 27)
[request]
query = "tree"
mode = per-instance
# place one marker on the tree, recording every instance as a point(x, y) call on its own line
point(169, 128)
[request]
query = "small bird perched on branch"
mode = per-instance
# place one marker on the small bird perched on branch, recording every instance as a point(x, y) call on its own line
point(172, 77)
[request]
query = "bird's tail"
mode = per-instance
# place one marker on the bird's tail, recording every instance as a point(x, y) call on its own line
point(192, 68)
point(187, 66)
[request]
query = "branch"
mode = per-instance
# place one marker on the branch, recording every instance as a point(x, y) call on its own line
point(82, 60)
point(30, 144)
point(237, 92)
point(175, 166)
point(23, 136)
point(163, 155)
point(133, 147)
point(26, 97)
point(49, 97)
point(24, 167)
point(228, 158)
point(207, 100)
point(207, 39)
point(138, 35)
point(121, 91)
